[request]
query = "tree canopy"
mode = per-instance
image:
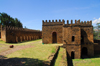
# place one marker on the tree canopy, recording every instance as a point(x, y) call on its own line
point(96, 31)
point(7, 20)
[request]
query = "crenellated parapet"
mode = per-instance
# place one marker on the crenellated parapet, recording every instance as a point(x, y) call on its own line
point(53, 22)
point(78, 22)
point(59, 22)
point(17, 28)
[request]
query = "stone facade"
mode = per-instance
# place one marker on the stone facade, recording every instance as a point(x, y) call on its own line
point(14, 34)
point(77, 37)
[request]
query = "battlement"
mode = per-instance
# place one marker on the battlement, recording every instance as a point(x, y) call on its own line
point(59, 22)
point(56, 22)
point(77, 22)
point(17, 28)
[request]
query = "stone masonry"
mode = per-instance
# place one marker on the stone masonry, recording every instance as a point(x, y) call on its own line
point(77, 37)
point(13, 34)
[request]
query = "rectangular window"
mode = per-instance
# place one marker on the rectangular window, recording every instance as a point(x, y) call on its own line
point(73, 38)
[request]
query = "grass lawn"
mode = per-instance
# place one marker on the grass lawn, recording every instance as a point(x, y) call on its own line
point(5, 46)
point(19, 43)
point(61, 59)
point(34, 55)
point(87, 62)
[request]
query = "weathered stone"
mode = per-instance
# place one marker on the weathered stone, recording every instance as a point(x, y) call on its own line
point(74, 36)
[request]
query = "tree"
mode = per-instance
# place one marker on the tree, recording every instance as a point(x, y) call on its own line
point(97, 33)
point(9, 21)
point(25, 27)
point(94, 33)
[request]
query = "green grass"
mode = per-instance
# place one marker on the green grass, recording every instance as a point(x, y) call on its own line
point(61, 59)
point(5, 46)
point(87, 62)
point(19, 43)
point(40, 51)
point(53, 50)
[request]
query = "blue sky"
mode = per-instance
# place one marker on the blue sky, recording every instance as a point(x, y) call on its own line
point(32, 12)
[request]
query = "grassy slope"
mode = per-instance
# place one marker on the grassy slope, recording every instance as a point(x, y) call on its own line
point(5, 46)
point(61, 59)
point(23, 43)
point(87, 62)
point(39, 51)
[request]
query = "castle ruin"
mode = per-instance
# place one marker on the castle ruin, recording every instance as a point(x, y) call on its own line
point(77, 37)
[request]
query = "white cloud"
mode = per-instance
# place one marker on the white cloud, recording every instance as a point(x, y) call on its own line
point(94, 18)
point(96, 21)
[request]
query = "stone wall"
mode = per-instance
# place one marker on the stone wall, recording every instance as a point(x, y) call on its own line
point(14, 34)
point(74, 35)
point(87, 33)
point(48, 28)
point(69, 32)
point(74, 48)
point(90, 49)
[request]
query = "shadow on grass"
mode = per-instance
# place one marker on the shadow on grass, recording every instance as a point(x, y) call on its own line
point(55, 57)
point(21, 62)
point(69, 60)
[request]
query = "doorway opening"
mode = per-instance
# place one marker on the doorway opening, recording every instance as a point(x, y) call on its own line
point(72, 55)
point(54, 37)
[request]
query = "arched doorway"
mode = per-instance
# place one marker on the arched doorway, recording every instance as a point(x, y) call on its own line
point(72, 55)
point(54, 37)
point(84, 51)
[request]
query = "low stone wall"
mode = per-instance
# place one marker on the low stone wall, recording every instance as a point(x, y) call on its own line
point(52, 57)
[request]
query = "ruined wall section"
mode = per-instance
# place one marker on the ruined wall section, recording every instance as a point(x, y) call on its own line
point(74, 48)
point(86, 29)
point(87, 32)
point(78, 29)
point(49, 27)
point(69, 32)
point(14, 34)
point(3, 34)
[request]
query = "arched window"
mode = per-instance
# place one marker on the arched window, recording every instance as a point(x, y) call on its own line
point(73, 38)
